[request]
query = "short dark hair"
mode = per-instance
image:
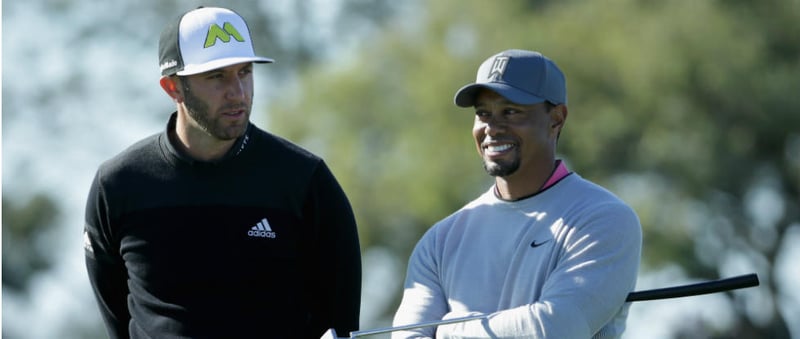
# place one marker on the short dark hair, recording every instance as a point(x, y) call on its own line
point(183, 80)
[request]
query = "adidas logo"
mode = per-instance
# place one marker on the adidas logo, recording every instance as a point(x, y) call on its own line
point(261, 230)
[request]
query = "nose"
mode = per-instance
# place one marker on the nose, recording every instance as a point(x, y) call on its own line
point(235, 89)
point(494, 126)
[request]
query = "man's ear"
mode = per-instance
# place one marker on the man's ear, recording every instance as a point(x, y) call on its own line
point(559, 116)
point(170, 86)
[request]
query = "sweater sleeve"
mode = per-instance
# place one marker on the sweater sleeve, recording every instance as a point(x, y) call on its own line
point(423, 296)
point(336, 280)
point(587, 288)
point(107, 273)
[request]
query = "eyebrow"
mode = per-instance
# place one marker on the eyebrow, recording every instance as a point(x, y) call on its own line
point(220, 70)
point(208, 73)
point(503, 101)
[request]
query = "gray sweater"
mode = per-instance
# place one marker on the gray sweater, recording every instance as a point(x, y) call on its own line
point(558, 264)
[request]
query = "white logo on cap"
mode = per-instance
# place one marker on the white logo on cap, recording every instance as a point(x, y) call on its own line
point(498, 68)
point(169, 64)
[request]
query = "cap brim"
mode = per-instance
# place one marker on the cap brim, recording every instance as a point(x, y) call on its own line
point(465, 97)
point(220, 63)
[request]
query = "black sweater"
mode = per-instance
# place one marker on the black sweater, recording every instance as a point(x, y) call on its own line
point(261, 244)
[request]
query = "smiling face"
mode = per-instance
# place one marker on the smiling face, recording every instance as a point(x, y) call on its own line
point(516, 141)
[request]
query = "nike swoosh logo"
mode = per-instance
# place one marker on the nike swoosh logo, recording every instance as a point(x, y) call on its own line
point(534, 244)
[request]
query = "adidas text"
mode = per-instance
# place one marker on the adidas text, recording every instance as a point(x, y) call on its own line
point(262, 234)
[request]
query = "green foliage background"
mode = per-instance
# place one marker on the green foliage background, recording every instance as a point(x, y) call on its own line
point(684, 108)
point(688, 110)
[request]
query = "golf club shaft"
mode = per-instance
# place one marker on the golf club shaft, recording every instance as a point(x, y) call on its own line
point(714, 286)
point(414, 326)
point(707, 287)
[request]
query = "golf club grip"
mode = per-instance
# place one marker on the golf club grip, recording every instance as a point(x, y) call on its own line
point(721, 285)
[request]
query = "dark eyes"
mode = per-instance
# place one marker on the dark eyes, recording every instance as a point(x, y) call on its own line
point(505, 112)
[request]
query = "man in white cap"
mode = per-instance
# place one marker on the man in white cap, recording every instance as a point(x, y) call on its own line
point(544, 253)
point(215, 228)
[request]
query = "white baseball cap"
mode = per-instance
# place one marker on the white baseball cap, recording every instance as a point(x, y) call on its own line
point(204, 39)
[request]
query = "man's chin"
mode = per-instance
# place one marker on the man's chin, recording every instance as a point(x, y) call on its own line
point(233, 132)
point(227, 135)
point(499, 170)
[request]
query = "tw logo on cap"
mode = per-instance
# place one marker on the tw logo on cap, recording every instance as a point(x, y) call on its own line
point(498, 68)
point(223, 33)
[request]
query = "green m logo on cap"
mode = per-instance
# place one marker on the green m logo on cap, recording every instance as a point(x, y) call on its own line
point(223, 33)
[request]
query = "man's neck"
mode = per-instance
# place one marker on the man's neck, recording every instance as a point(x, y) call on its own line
point(198, 144)
point(518, 187)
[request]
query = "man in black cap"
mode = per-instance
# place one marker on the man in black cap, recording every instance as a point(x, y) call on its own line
point(215, 228)
point(544, 253)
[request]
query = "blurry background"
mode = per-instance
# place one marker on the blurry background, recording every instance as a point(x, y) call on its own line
point(688, 110)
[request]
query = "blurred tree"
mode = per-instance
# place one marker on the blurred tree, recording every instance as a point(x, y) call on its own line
point(687, 109)
point(23, 229)
point(88, 57)
point(294, 33)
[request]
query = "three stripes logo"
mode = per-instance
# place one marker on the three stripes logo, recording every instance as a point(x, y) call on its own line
point(261, 230)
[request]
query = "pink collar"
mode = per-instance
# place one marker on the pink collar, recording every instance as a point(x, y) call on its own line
point(560, 172)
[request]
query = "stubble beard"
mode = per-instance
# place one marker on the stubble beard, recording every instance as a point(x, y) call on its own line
point(198, 110)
